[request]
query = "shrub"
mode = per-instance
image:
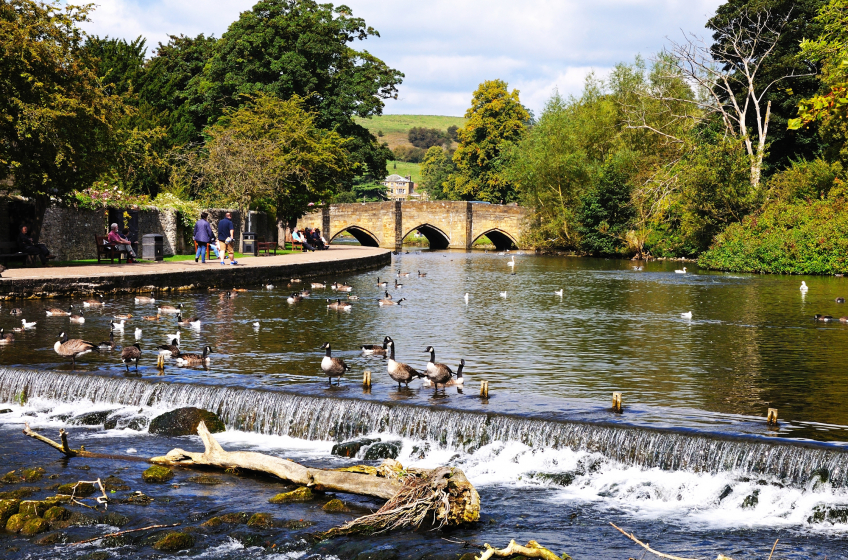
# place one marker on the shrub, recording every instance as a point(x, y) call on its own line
point(409, 154)
point(425, 138)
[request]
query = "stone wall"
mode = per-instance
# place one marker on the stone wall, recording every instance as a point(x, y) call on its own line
point(69, 232)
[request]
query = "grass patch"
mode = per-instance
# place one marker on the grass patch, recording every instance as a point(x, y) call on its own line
point(405, 168)
point(395, 128)
point(175, 258)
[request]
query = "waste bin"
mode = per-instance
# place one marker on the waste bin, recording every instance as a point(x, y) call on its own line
point(248, 243)
point(153, 247)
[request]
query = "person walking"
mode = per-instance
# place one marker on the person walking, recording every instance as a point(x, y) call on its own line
point(226, 238)
point(203, 236)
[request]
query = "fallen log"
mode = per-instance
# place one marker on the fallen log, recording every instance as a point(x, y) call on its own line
point(532, 550)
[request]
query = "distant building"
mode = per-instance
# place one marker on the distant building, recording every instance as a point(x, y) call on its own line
point(401, 188)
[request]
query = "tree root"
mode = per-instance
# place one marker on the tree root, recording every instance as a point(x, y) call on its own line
point(532, 550)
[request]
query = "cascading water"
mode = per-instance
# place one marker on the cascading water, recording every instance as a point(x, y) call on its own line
point(313, 418)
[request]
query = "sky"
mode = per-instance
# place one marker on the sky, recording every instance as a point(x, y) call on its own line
point(446, 48)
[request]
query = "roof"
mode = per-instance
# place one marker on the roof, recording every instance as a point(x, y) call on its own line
point(396, 178)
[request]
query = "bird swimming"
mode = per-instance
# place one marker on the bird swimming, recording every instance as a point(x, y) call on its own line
point(803, 287)
point(195, 359)
point(687, 315)
point(681, 271)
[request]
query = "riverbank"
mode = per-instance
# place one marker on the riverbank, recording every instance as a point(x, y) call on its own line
point(69, 281)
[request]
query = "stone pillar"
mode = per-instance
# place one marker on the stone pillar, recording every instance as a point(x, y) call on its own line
point(398, 211)
point(469, 225)
point(325, 222)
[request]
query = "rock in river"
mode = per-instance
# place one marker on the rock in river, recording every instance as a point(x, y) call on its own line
point(184, 421)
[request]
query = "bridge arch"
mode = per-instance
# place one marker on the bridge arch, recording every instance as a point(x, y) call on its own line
point(437, 238)
point(365, 237)
point(499, 238)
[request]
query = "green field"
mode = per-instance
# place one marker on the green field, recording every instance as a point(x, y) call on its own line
point(396, 127)
point(405, 168)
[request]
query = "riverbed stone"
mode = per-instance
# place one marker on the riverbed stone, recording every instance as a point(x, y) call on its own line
point(206, 479)
point(352, 447)
point(35, 508)
point(302, 494)
point(11, 477)
point(174, 541)
point(184, 422)
point(261, 521)
point(157, 473)
point(19, 493)
point(55, 537)
point(17, 522)
point(137, 498)
point(32, 474)
point(114, 519)
point(34, 526)
point(383, 450)
point(5, 410)
point(335, 506)
point(56, 513)
point(8, 508)
point(97, 555)
point(91, 418)
point(831, 513)
point(751, 500)
point(114, 484)
point(83, 489)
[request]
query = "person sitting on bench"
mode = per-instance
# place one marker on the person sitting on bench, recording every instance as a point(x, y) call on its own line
point(299, 237)
point(121, 243)
point(30, 247)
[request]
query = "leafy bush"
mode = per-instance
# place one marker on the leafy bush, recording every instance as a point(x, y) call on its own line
point(453, 133)
point(804, 180)
point(409, 154)
point(424, 138)
point(605, 213)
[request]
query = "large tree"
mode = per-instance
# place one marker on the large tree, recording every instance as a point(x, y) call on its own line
point(494, 122)
point(300, 47)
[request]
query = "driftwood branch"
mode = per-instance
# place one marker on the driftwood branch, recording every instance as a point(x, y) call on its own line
point(651, 550)
point(532, 550)
point(67, 451)
point(119, 533)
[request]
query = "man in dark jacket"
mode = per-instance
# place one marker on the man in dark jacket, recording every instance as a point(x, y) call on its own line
point(226, 238)
point(30, 247)
point(203, 236)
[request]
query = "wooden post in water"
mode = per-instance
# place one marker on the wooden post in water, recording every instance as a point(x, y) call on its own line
point(616, 403)
point(484, 389)
point(366, 378)
point(160, 362)
point(772, 417)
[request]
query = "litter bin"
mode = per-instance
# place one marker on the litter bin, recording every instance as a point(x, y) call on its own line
point(152, 247)
point(248, 243)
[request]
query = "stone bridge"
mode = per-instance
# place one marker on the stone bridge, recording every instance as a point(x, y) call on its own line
point(445, 224)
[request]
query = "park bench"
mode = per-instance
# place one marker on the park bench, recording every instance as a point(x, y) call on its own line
point(9, 252)
point(107, 250)
point(262, 245)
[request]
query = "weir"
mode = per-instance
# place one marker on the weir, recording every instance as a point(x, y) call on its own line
point(336, 419)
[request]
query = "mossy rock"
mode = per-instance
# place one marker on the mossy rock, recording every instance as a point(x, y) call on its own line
point(11, 477)
point(352, 447)
point(75, 519)
point(295, 524)
point(250, 539)
point(238, 518)
point(114, 519)
point(174, 541)
point(34, 526)
point(361, 469)
point(184, 422)
point(55, 537)
point(19, 493)
point(5, 411)
point(335, 506)
point(82, 490)
point(137, 498)
point(16, 522)
point(302, 494)
point(752, 500)
point(8, 508)
point(91, 418)
point(113, 483)
point(261, 521)
point(206, 479)
point(97, 555)
point(33, 474)
point(56, 513)
point(832, 513)
point(157, 473)
point(34, 508)
point(383, 450)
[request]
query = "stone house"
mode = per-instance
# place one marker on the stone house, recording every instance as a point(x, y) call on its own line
point(401, 188)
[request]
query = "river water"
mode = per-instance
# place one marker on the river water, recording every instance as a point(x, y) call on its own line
point(690, 465)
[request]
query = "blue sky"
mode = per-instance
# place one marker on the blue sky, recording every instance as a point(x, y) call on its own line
point(447, 47)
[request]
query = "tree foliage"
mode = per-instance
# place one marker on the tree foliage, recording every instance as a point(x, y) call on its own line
point(425, 138)
point(436, 170)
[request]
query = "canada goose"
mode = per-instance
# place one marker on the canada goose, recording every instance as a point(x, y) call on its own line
point(840, 300)
point(138, 334)
point(145, 299)
point(72, 348)
point(558, 292)
point(390, 302)
point(195, 359)
point(118, 326)
point(169, 351)
point(687, 315)
point(458, 380)
point(93, 302)
point(169, 308)
point(296, 280)
point(512, 262)
point(16, 311)
point(305, 293)
point(77, 318)
point(30, 325)
point(437, 373)
point(398, 371)
point(387, 295)
point(229, 294)
point(318, 285)
point(803, 287)
point(681, 271)
point(381, 284)
point(131, 354)
point(6, 338)
point(338, 305)
point(397, 286)
point(823, 318)
point(345, 288)
point(503, 294)
point(402, 274)
point(332, 367)
point(295, 298)
point(421, 274)
point(843, 319)
point(376, 349)
point(56, 312)
point(108, 344)
point(334, 286)
point(123, 316)
point(352, 297)
point(151, 317)
point(194, 321)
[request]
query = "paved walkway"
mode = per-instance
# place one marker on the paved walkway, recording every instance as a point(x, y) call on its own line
point(144, 268)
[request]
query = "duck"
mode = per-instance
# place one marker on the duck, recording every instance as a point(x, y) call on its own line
point(466, 297)
point(387, 301)
point(317, 285)
point(137, 333)
point(840, 300)
point(803, 287)
point(28, 325)
point(16, 311)
point(269, 286)
point(6, 338)
point(376, 349)
point(256, 324)
point(107, 344)
point(305, 293)
point(687, 315)
point(176, 336)
point(332, 367)
point(511, 262)
point(400, 372)
point(438, 374)
point(56, 312)
point(170, 308)
point(145, 299)
point(77, 318)
point(843, 319)
point(402, 274)
point(823, 318)
point(503, 294)
point(381, 284)
point(681, 271)
point(558, 292)
point(123, 316)
point(397, 286)
point(352, 297)
point(230, 294)
point(296, 280)
point(194, 321)
point(422, 274)
point(72, 348)
point(295, 298)
point(131, 354)
point(151, 317)
point(195, 359)
point(93, 302)
point(118, 326)
point(169, 351)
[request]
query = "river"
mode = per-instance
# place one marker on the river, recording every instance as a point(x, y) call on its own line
point(690, 465)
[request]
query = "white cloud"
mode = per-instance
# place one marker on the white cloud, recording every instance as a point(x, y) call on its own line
point(447, 47)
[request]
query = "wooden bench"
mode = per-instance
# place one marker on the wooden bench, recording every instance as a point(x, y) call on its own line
point(262, 245)
point(9, 252)
point(107, 250)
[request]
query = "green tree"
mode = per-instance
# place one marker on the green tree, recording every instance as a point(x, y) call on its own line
point(57, 120)
point(435, 173)
point(299, 47)
point(494, 121)
point(605, 214)
point(425, 138)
